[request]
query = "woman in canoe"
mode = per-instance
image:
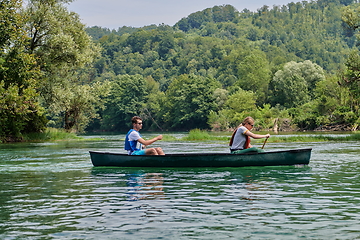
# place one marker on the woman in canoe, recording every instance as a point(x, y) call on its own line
point(240, 139)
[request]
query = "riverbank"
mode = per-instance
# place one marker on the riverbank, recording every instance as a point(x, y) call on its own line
point(199, 135)
point(53, 134)
point(50, 134)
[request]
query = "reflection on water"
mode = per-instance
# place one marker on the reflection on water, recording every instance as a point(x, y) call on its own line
point(145, 186)
point(51, 191)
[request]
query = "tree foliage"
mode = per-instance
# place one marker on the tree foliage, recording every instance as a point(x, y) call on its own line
point(127, 96)
point(261, 53)
point(62, 47)
point(20, 111)
point(288, 65)
point(351, 76)
point(190, 98)
point(292, 86)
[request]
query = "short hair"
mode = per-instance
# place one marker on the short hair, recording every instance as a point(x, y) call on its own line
point(135, 119)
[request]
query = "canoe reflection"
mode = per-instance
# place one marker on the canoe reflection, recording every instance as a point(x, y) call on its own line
point(145, 186)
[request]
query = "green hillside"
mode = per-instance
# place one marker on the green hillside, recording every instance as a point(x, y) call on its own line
point(240, 53)
point(291, 67)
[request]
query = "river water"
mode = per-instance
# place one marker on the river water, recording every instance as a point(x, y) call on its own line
point(52, 191)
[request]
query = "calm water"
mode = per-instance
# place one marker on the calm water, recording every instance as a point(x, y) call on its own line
point(52, 191)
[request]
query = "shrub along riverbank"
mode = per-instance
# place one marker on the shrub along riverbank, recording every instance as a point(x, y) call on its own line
point(199, 135)
point(53, 134)
point(50, 134)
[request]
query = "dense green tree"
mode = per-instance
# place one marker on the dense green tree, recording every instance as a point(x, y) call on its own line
point(254, 74)
point(126, 99)
point(257, 56)
point(58, 38)
point(236, 107)
point(151, 109)
point(61, 46)
point(326, 109)
point(20, 111)
point(77, 104)
point(351, 79)
point(293, 86)
point(97, 32)
point(329, 98)
point(190, 98)
point(351, 76)
point(222, 13)
point(243, 49)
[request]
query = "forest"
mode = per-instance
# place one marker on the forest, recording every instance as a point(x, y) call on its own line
point(291, 67)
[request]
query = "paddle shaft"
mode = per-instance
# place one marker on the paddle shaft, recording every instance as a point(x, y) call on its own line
point(264, 143)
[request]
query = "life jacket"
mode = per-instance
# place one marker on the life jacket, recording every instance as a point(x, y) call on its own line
point(247, 142)
point(232, 138)
point(130, 145)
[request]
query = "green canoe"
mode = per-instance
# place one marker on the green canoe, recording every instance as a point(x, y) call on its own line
point(273, 158)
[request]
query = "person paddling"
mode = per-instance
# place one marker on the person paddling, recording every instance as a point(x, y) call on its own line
point(135, 144)
point(240, 139)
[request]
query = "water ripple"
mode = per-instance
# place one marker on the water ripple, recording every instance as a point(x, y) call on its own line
point(52, 192)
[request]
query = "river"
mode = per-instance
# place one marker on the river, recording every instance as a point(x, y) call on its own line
point(52, 191)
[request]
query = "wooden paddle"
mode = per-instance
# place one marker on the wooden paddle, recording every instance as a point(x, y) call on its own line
point(264, 143)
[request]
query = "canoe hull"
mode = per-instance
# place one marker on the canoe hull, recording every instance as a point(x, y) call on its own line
point(275, 158)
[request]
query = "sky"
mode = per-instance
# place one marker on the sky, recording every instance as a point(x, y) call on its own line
point(113, 14)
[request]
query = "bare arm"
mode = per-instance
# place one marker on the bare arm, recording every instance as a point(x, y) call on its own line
point(148, 142)
point(256, 136)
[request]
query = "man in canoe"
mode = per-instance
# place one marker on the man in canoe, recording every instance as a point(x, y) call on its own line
point(240, 139)
point(135, 144)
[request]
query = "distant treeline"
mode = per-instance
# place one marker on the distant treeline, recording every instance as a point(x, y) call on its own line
point(294, 66)
point(216, 66)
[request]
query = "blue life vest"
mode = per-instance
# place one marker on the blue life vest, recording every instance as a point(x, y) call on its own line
point(131, 145)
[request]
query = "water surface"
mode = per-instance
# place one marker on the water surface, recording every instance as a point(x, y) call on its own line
point(51, 191)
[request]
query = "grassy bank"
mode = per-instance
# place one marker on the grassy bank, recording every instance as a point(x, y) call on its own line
point(50, 134)
point(200, 135)
point(53, 134)
point(317, 138)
